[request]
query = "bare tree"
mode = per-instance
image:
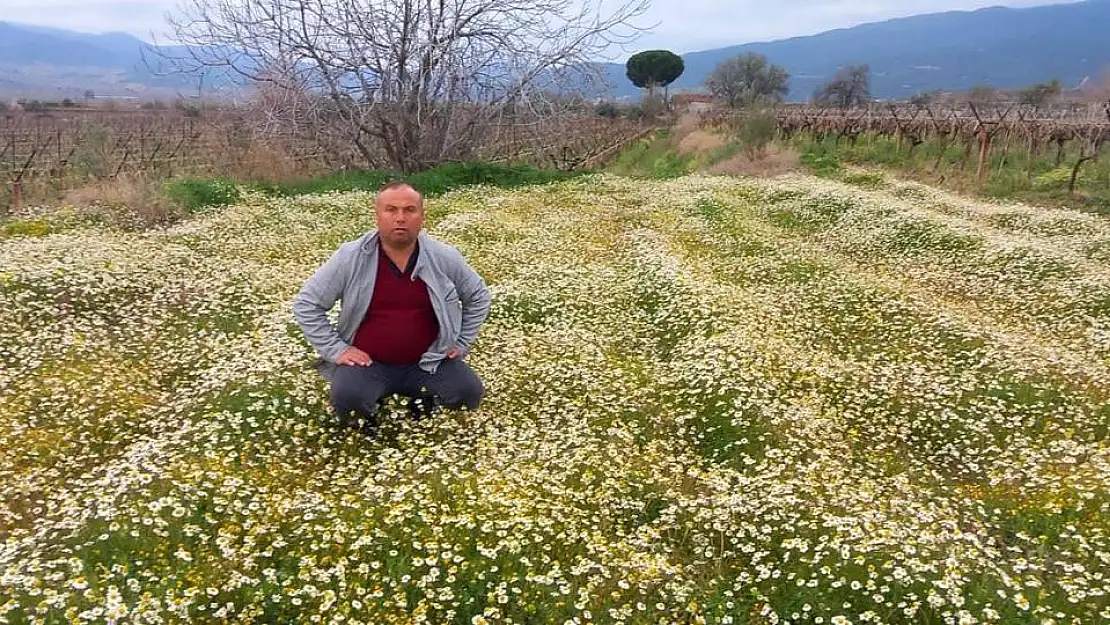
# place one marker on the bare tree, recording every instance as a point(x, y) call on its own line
point(1041, 95)
point(409, 83)
point(850, 87)
point(984, 96)
point(747, 79)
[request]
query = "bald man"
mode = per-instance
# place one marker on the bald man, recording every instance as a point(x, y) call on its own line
point(411, 309)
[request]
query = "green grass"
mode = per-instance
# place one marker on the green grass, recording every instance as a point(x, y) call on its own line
point(198, 193)
point(1012, 173)
point(820, 160)
point(432, 182)
point(34, 227)
point(652, 157)
point(26, 228)
point(725, 152)
point(865, 179)
point(921, 236)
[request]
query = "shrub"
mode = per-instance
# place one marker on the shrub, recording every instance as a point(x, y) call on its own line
point(195, 194)
point(456, 175)
point(25, 228)
point(608, 110)
point(1054, 179)
point(820, 161)
point(755, 130)
point(865, 179)
point(433, 182)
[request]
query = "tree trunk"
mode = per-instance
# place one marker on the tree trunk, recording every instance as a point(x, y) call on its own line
point(1096, 147)
point(940, 154)
point(17, 195)
point(1075, 172)
point(984, 153)
point(1005, 153)
point(1033, 153)
point(967, 155)
point(914, 142)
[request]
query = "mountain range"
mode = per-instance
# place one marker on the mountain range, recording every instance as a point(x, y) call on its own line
point(52, 63)
point(953, 51)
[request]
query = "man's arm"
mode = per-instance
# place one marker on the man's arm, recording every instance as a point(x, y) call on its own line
point(475, 297)
point(314, 300)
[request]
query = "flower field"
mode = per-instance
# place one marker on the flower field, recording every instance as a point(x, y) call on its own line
point(710, 400)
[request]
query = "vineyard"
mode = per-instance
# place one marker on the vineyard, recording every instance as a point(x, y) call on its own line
point(59, 152)
point(67, 150)
point(980, 132)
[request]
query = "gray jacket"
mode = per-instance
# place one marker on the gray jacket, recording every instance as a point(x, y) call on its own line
point(459, 297)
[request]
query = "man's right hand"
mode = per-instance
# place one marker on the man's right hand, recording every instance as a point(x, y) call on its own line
point(354, 357)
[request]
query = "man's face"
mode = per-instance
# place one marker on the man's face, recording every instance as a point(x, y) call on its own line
point(400, 213)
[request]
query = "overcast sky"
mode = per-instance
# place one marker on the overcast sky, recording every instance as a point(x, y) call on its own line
point(683, 25)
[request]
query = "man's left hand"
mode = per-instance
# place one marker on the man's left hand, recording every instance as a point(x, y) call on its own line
point(454, 353)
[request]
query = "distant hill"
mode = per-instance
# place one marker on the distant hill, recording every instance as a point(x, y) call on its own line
point(39, 62)
point(1003, 47)
point(956, 50)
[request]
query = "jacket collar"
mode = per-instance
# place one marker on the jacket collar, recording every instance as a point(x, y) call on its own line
point(372, 240)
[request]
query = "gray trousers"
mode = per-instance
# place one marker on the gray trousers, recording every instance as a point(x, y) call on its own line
point(357, 390)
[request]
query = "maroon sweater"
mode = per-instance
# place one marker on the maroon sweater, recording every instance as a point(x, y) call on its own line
point(400, 323)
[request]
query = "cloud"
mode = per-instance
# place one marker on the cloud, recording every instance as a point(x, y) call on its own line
point(138, 17)
point(683, 25)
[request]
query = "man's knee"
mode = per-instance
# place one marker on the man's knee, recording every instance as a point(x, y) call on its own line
point(471, 394)
point(347, 398)
point(465, 390)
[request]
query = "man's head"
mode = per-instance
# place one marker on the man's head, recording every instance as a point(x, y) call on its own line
point(400, 212)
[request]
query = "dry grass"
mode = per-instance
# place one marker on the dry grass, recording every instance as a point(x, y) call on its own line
point(775, 161)
point(686, 124)
point(137, 200)
point(699, 142)
point(125, 201)
point(264, 161)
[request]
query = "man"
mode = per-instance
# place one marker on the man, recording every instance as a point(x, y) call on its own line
point(411, 309)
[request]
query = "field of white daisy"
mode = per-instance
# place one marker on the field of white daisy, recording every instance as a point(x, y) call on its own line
point(710, 400)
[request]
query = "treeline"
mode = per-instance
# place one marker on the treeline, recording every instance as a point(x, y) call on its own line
point(45, 107)
point(750, 80)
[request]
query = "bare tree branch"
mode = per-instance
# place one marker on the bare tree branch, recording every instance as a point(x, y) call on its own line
point(411, 83)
